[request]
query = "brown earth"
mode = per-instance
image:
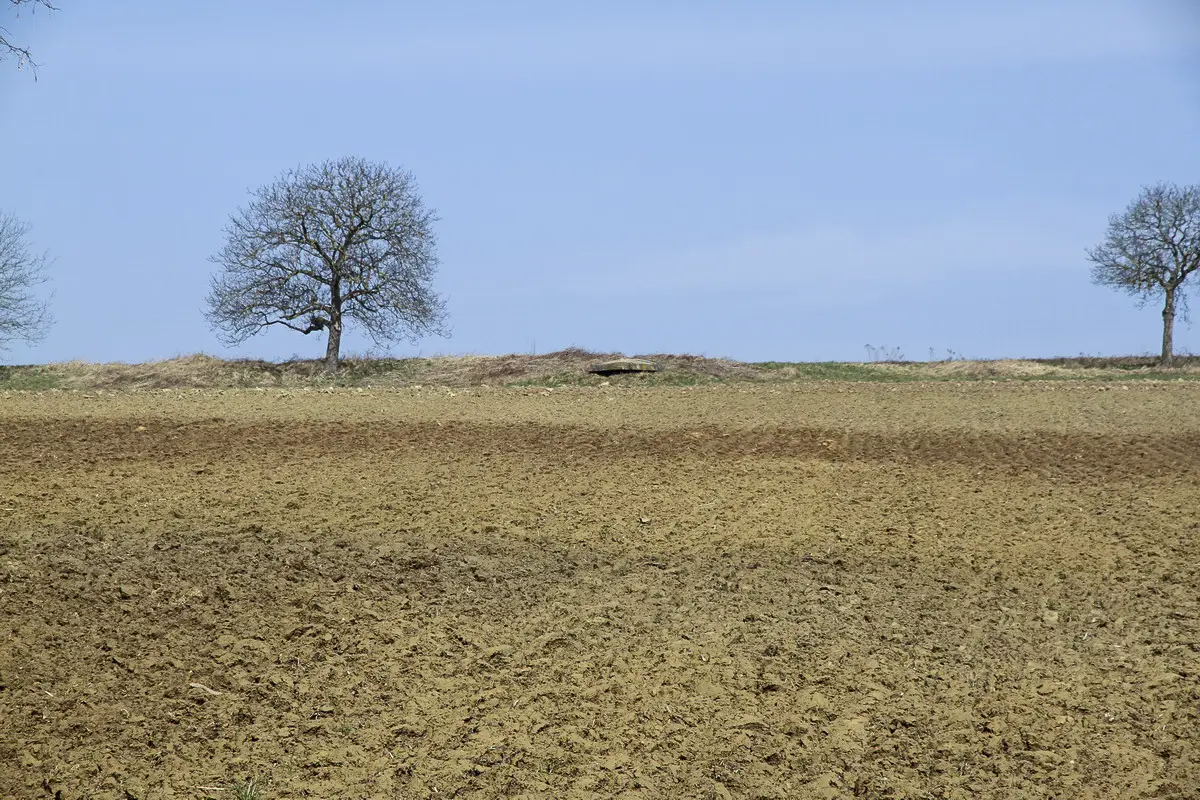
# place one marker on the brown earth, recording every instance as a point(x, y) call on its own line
point(928, 590)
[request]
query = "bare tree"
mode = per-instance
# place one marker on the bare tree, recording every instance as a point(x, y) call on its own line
point(340, 241)
point(23, 315)
point(1151, 250)
point(10, 50)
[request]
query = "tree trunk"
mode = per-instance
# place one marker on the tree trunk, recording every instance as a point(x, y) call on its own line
point(1168, 343)
point(334, 345)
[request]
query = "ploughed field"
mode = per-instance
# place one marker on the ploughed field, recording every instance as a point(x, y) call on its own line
point(828, 590)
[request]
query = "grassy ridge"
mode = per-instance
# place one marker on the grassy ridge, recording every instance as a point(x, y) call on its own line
point(562, 368)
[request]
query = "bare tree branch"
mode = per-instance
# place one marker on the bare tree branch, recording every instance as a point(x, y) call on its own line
point(345, 240)
point(1151, 250)
point(23, 315)
point(10, 50)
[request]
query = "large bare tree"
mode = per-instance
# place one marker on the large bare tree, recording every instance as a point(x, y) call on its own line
point(24, 316)
point(10, 50)
point(1151, 250)
point(341, 241)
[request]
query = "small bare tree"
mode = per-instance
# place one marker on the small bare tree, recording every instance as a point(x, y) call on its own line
point(10, 50)
point(340, 241)
point(23, 315)
point(1151, 250)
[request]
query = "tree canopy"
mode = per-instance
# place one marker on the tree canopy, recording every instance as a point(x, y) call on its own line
point(342, 241)
point(24, 316)
point(9, 49)
point(1151, 250)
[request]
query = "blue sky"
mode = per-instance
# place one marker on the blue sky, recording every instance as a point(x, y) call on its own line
point(779, 180)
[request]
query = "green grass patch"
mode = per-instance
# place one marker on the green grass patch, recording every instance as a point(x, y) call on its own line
point(29, 379)
point(834, 371)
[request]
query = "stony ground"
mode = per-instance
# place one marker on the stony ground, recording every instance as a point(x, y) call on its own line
point(926, 590)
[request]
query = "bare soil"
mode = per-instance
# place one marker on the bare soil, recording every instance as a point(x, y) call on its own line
point(840, 590)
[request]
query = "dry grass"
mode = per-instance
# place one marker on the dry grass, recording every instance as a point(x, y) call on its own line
point(561, 368)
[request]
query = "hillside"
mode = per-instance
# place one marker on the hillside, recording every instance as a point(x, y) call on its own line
point(561, 368)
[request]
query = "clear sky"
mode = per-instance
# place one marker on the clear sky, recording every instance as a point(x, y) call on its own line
point(761, 180)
